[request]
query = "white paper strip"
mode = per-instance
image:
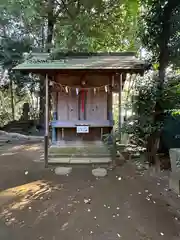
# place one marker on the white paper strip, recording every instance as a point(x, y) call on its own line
point(77, 91)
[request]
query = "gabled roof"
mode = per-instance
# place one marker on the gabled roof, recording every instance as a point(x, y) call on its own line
point(83, 61)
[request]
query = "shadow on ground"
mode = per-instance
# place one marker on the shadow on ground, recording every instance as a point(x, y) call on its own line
point(37, 204)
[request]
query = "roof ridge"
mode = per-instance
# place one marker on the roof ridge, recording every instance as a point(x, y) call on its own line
point(89, 54)
point(80, 54)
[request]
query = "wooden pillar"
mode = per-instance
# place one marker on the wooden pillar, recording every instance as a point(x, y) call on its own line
point(54, 138)
point(109, 101)
point(120, 97)
point(46, 136)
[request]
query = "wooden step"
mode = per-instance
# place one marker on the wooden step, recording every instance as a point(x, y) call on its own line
point(80, 155)
point(66, 160)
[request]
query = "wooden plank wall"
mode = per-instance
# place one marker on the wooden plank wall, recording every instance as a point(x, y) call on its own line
point(96, 108)
point(67, 106)
point(96, 103)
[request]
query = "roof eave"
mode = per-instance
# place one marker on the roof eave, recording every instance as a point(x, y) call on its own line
point(68, 70)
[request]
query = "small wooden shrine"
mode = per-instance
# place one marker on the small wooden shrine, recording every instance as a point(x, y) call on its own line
point(81, 88)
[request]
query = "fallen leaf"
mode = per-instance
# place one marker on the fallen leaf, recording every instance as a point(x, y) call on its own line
point(86, 201)
point(64, 226)
point(118, 235)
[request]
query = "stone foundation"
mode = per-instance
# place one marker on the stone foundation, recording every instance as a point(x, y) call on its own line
point(77, 152)
point(174, 182)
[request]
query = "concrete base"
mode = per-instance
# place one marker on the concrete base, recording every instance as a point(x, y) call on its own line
point(79, 152)
point(99, 172)
point(174, 154)
point(79, 149)
point(174, 182)
point(63, 170)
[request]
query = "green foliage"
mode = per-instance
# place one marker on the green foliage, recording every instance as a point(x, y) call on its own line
point(5, 106)
point(141, 125)
point(95, 25)
point(11, 54)
point(79, 25)
point(160, 24)
point(99, 26)
point(11, 51)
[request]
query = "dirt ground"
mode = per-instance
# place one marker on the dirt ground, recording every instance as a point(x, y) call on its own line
point(35, 203)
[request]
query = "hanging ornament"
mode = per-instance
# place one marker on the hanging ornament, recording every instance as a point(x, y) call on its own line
point(83, 83)
point(66, 89)
point(77, 91)
point(95, 90)
point(51, 83)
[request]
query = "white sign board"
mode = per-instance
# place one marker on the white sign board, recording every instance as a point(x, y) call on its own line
point(82, 129)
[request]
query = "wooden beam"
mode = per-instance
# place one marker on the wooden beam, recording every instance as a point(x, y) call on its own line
point(54, 108)
point(46, 136)
point(120, 97)
point(85, 104)
point(79, 72)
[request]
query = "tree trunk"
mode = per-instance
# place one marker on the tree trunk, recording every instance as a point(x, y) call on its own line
point(152, 147)
point(163, 63)
point(12, 99)
point(50, 24)
point(50, 31)
point(42, 101)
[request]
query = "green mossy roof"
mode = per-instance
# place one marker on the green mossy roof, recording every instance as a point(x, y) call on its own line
point(95, 61)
